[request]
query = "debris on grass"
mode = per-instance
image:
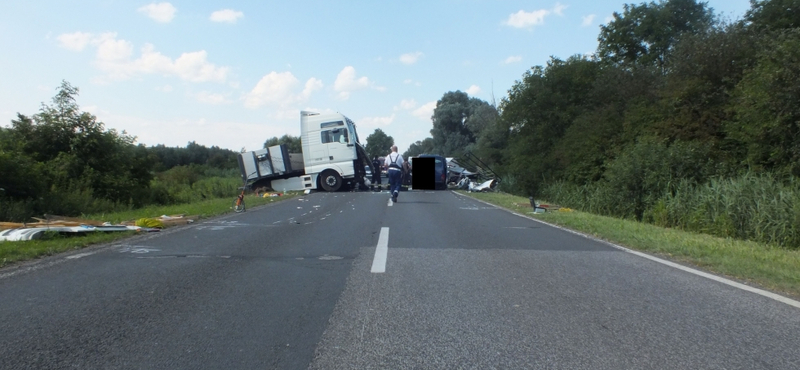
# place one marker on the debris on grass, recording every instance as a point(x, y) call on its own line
point(22, 231)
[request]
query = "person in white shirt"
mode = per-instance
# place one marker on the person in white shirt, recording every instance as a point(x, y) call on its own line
point(394, 169)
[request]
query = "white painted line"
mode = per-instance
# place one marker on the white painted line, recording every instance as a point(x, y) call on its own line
point(381, 252)
point(390, 202)
point(79, 255)
point(716, 278)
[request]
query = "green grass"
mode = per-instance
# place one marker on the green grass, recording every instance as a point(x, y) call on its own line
point(53, 243)
point(771, 267)
point(204, 208)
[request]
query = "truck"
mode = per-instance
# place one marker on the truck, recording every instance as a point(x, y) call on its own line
point(332, 158)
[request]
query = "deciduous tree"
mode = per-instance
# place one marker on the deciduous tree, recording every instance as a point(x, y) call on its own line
point(646, 33)
point(378, 144)
point(292, 142)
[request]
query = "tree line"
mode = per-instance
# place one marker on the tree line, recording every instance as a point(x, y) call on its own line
point(680, 118)
point(64, 161)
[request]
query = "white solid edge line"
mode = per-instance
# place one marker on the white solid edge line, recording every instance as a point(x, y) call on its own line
point(390, 202)
point(381, 252)
point(716, 278)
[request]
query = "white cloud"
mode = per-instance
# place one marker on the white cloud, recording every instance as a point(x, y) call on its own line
point(161, 12)
point(112, 50)
point(274, 88)
point(279, 90)
point(410, 58)
point(587, 20)
point(375, 122)
point(74, 41)
point(210, 98)
point(409, 81)
point(559, 9)
point(312, 85)
point(425, 112)
point(473, 90)
point(177, 132)
point(523, 19)
point(408, 104)
point(512, 59)
point(346, 83)
point(115, 58)
point(226, 15)
point(194, 67)
point(165, 88)
point(292, 115)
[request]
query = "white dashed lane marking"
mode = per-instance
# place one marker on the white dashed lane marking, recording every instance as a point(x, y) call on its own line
point(381, 252)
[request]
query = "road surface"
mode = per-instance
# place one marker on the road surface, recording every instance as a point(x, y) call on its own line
point(352, 281)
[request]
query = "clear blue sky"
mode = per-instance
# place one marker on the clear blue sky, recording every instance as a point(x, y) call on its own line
point(235, 73)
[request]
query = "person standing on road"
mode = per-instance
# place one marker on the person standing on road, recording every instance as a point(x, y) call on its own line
point(394, 164)
point(376, 171)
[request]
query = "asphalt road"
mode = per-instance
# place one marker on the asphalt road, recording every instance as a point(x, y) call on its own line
point(351, 281)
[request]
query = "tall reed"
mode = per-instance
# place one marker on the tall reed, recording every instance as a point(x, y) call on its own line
point(750, 206)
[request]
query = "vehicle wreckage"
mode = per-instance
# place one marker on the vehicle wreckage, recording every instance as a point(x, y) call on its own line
point(469, 173)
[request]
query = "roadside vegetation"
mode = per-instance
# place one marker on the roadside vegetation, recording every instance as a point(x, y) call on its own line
point(681, 119)
point(63, 162)
point(53, 243)
point(766, 265)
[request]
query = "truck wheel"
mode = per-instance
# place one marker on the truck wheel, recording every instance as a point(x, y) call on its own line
point(330, 180)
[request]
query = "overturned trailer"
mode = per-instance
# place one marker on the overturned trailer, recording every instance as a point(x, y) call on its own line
point(332, 158)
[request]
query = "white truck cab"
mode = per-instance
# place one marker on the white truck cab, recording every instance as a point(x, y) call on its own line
point(332, 157)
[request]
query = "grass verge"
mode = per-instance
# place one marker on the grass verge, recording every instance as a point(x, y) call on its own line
point(53, 243)
point(773, 268)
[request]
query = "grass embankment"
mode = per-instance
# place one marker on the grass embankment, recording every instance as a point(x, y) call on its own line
point(53, 243)
point(773, 268)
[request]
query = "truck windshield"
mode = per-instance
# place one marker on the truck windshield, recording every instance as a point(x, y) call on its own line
point(352, 126)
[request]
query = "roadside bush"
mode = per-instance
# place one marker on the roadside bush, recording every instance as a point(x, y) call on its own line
point(751, 206)
point(15, 210)
point(592, 198)
point(214, 187)
point(509, 184)
point(647, 170)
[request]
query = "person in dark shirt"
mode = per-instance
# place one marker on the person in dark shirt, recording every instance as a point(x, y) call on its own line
point(376, 171)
